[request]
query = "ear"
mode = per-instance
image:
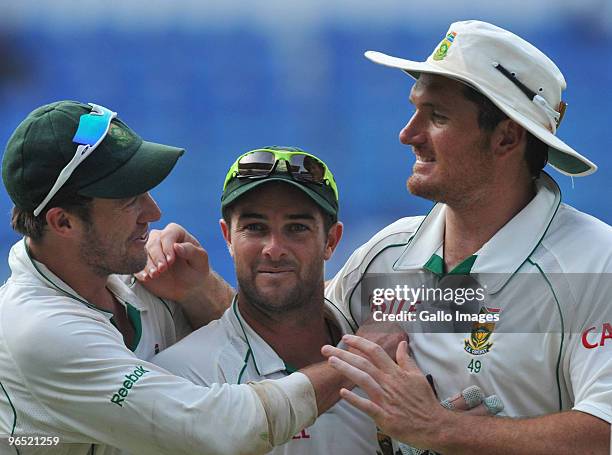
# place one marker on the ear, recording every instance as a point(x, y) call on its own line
point(333, 238)
point(508, 137)
point(61, 222)
point(225, 230)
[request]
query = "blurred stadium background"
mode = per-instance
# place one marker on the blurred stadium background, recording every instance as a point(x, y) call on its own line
point(222, 77)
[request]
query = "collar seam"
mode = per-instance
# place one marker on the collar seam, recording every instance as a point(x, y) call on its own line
point(66, 293)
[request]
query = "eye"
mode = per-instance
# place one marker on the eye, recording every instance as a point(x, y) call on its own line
point(298, 227)
point(254, 227)
point(437, 117)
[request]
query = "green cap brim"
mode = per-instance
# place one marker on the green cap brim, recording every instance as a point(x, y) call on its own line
point(232, 195)
point(143, 171)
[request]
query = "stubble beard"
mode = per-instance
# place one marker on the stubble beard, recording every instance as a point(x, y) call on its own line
point(105, 257)
point(306, 292)
point(458, 190)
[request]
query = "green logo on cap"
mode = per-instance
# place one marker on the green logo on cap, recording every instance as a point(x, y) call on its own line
point(121, 135)
point(444, 46)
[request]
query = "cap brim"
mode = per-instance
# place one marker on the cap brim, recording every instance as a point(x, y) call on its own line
point(146, 169)
point(232, 196)
point(561, 156)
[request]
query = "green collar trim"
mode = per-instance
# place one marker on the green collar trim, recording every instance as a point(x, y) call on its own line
point(246, 338)
point(465, 267)
point(289, 368)
point(552, 289)
point(134, 318)
point(13, 408)
point(435, 265)
point(66, 293)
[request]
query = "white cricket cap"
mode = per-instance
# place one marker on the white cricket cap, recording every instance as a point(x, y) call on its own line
point(517, 77)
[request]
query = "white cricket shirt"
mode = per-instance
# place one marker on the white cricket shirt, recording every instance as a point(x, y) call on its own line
point(547, 275)
point(229, 350)
point(65, 371)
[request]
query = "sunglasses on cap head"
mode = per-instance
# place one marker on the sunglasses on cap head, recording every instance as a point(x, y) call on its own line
point(92, 130)
point(302, 166)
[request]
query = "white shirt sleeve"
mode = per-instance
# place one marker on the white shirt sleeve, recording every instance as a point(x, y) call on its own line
point(338, 289)
point(589, 359)
point(343, 288)
point(94, 389)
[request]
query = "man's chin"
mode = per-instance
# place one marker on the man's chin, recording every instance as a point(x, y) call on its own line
point(276, 295)
point(418, 187)
point(131, 265)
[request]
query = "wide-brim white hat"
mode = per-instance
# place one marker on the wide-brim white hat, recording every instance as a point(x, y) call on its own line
point(519, 79)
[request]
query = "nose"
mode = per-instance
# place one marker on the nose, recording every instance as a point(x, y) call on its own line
point(274, 248)
point(150, 210)
point(412, 133)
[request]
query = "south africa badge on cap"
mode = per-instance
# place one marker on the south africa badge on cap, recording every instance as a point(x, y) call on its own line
point(444, 46)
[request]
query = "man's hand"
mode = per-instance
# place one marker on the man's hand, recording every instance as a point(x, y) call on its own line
point(403, 405)
point(471, 401)
point(177, 265)
point(385, 334)
point(401, 401)
point(178, 269)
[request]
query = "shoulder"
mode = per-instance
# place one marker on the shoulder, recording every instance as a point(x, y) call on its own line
point(40, 329)
point(579, 242)
point(397, 233)
point(131, 288)
point(400, 230)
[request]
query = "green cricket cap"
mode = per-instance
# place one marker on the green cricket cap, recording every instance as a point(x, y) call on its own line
point(123, 165)
point(323, 195)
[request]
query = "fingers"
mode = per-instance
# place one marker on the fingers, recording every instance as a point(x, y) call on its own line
point(156, 260)
point(472, 401)
point(195, 255)
point(494, 404)
point(163, 248)
point(372, 351)
point(160, 247)
point(490, 406)
point(409, 450)
point(357, 376)
point(403, 356)
point(148, 272)
point(469, 398)
point(365, 405)
point(355, 360)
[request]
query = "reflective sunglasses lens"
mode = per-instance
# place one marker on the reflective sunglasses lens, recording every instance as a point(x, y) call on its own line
point(92, 127)
point(256, 163)
point(307, 168)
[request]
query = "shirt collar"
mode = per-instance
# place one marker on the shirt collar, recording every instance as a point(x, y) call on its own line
point(23, 265)
point(502, 255)
point(121, 286)
point(266, 360)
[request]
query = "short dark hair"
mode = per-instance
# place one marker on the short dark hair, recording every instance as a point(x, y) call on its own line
point(489, 116)
point(24, 221)
point(328, 220)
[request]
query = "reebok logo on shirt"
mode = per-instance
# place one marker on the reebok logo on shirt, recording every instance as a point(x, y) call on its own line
point(130, 379)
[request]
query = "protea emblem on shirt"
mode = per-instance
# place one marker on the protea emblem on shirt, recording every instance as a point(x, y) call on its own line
point(478, 343)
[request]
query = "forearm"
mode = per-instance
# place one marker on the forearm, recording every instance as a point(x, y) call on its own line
point(326, 383)
point(209, 302)
point(289, 404)
point(567, 432)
